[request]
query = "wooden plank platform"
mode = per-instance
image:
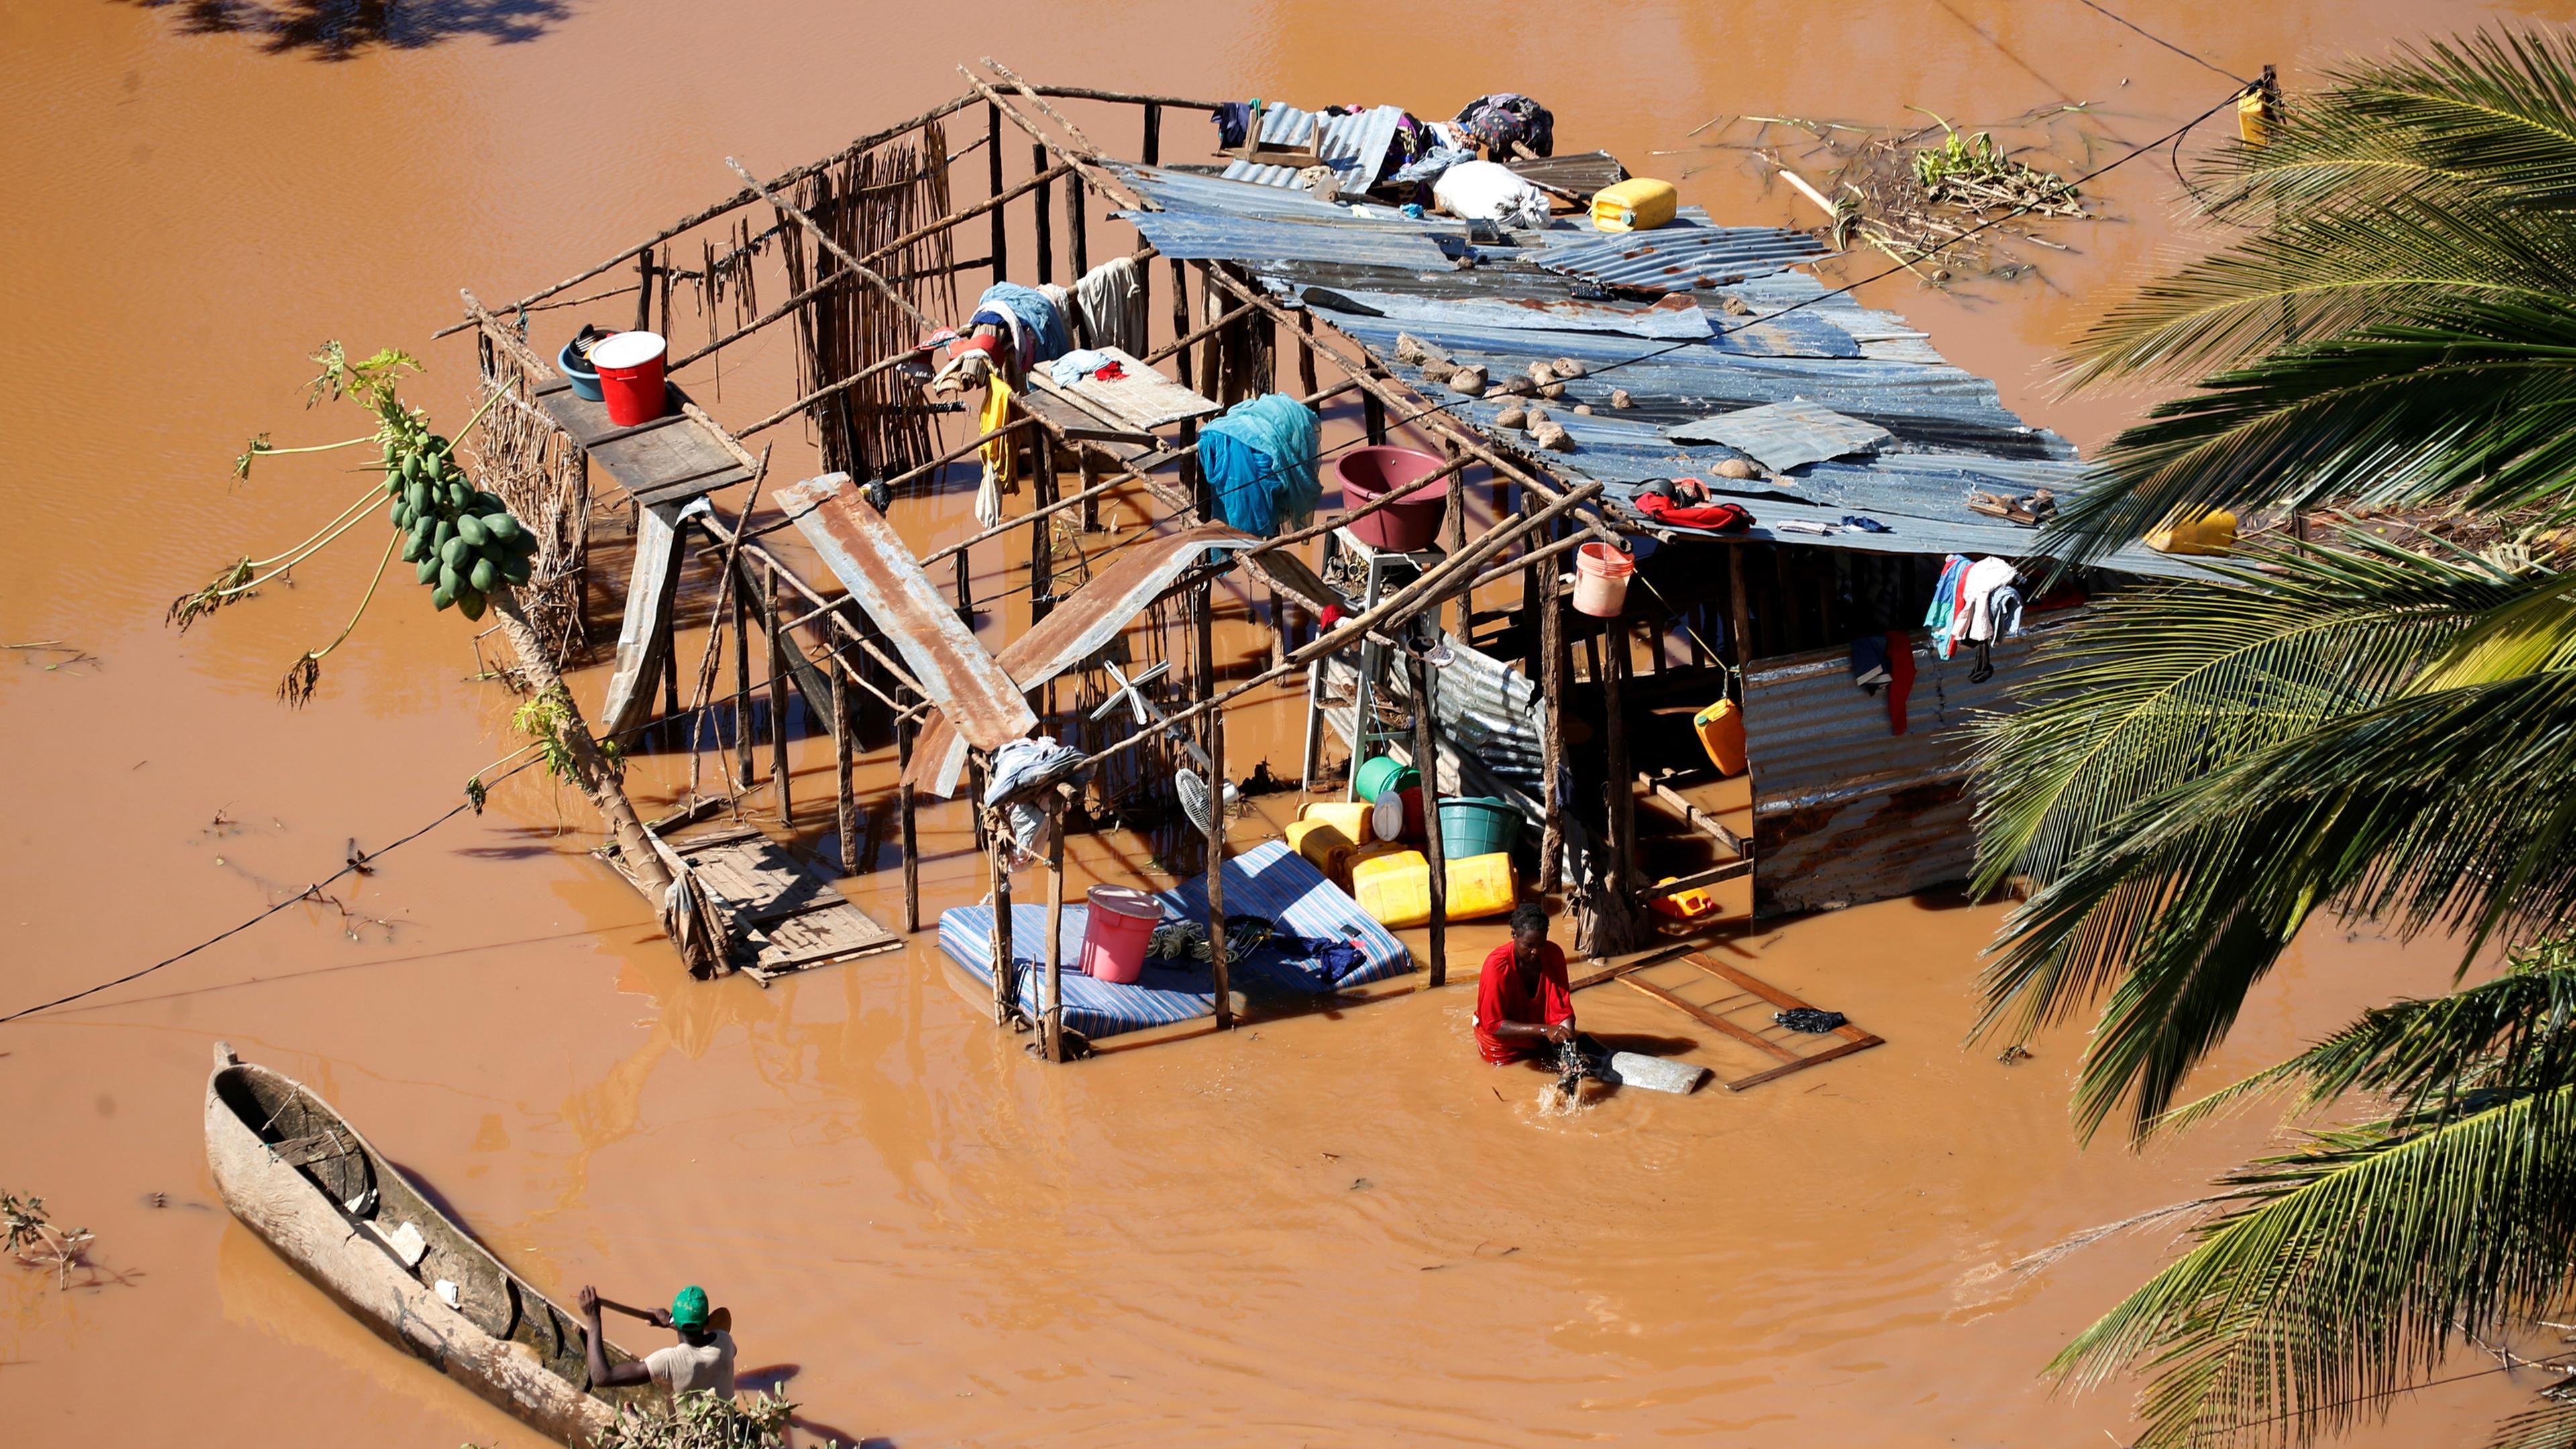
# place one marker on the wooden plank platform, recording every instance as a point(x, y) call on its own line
point(671, 459)
point(1139, 402)
point(1740, 1009)
point(784, 916)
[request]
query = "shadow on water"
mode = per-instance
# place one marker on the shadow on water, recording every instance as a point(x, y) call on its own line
point(344, 29)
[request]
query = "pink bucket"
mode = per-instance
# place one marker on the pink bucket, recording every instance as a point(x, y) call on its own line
point(1601, 579)
point(1120, 926)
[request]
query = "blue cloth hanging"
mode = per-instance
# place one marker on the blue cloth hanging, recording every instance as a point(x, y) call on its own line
point(1260, 463)
point(1045, 323)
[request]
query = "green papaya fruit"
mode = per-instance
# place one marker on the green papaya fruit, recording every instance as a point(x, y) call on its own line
point(411, 467)
point(441, 597)
point(397, 513)
point(415, 548)
point(455, 553)
point(471, 529)
point(418, 493)
point(458, 495)
point(487, 501)
point(482, 576)
point(427, 571)
point(514, 571)
point(451, 578)
point(432, 467)
point(501, 526)
point(446, 531)
point(470, 604)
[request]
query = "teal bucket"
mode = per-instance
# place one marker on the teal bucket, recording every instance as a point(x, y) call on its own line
point(1380, 773)
point(1477, 825)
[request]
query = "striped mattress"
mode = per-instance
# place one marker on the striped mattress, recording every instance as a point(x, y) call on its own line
point(1269, 880)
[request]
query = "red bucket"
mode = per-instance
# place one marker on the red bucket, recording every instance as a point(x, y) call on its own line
point(630, 376)
point(1368, 474)
point(1119, 927)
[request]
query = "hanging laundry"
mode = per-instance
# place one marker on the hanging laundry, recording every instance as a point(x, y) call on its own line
point(1001, 458)
point(1020, 770)
point(1983, 578)
point(1066, 313)
point(1233, 122)
point(1039, 323)
point(2003, 612)
point(1076, 365)
point(1111, 302)
point(1259, 459)
point(1869, 662)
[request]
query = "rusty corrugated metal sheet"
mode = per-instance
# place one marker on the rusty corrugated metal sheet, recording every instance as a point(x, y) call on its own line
point(1672, 319)
point(1845, 812)
point(1354, 145)
point(872, 561)
point(1081, 626)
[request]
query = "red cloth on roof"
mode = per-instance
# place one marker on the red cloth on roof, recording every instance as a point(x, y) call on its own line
point(1724, 517)
point(1507, 992)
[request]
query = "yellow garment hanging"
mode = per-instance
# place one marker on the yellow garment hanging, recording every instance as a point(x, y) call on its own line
point(999, 455)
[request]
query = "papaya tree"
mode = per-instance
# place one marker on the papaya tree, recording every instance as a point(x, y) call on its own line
point(463, 545)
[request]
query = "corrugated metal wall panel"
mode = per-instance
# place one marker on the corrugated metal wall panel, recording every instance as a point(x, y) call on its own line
point(1843, 811)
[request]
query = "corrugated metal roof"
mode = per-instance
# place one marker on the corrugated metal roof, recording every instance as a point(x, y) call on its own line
point(1844, 811)
point(1354, 145)
point(1673, 319)
point(874, 563)
point(1080, 626)
point(1681, 257)
point(1784, 435)
point(1204, 236)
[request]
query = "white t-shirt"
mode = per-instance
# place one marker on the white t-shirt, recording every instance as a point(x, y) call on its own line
point(682, 1367)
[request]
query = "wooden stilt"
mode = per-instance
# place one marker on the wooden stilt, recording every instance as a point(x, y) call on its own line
point(644, 290)
point(1739, 616)
point(1006, 986)
point(1046, 219)
point(1090, 479)
point(1458, 542)
point(1216, 869)
point(1619, 864)
point(1076, 230)
point(1373, 416)
point(1426, 758)
point(903, 732)
point(975, 783)
point(1041, 553)
point(845, 817)
point(1181, 318)
point(993, 161)
point(1553, 667)
point(1153, 148)
point(965, 591)
point(1055, 931)
point(778, 770)
point(1306, 353)
point(742, 673)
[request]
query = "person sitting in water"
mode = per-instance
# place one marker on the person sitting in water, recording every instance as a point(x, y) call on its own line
point(1523, 1006)
point(702, 1359)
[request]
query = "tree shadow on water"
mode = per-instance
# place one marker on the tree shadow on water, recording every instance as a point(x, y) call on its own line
point(345, 29)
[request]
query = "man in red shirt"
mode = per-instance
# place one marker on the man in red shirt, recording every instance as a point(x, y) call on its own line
point(1523, 1007)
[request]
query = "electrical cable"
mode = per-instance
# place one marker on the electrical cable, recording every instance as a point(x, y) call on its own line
point(2167, 44)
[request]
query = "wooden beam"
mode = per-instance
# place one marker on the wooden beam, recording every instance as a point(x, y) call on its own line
point(1709, 877)
point(1698, 819)
point(824, 240)
point(1713, 1020)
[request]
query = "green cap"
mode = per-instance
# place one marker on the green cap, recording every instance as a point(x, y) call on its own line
point(689, 1307)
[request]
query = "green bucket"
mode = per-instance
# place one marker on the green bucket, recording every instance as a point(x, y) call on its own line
point(1477, 825)
point(1381, 773)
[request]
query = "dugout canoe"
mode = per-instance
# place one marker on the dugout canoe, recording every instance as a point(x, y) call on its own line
point(296, 1173)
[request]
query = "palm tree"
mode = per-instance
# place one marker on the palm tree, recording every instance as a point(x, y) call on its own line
point(2351, 725)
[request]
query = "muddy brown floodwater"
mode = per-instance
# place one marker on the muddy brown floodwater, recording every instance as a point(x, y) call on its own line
point(1334, 1229)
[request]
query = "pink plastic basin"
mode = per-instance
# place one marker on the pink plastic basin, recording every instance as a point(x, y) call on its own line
point(1120, 926)
point(1368, 474)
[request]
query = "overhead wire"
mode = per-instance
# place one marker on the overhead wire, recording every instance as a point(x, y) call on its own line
point(2205, 64)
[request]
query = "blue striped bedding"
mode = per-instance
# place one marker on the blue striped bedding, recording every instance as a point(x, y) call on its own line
point(1269, 880)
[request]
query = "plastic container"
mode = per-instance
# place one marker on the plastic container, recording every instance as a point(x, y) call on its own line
point(1601, 579)
point(585, 383)
point(1687, 905)
point(1368, 474)
point(1720, 728)
point(1473, 825)
point(1399, 815)
point(1119, 926)
point(2215, 533)
point(1395, 889)
point(1637, 204)
point(1323, 845)
point(1350, 817)
point(630, 377)
point(1381, 773)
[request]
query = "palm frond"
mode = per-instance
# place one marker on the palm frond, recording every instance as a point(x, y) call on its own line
point(2455, 809)
point(2531, 634)
point(2176, 681)
point(2508, 1034)
point(2339, 1275)
point(2552, 1427)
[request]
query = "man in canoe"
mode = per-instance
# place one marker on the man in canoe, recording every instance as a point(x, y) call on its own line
point(1523, 1006)
point(702, 1359)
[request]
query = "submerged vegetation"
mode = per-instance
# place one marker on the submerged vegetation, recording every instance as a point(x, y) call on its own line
point(2375, 723)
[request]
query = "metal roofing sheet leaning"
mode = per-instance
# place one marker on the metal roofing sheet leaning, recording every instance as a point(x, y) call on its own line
point(1081, 625)
point(1681, 258)
point(1205, 236)
point(1354, 145)
point(1785, 435)
point(1845, 812)
point(1671, 319)
point(872, 561)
